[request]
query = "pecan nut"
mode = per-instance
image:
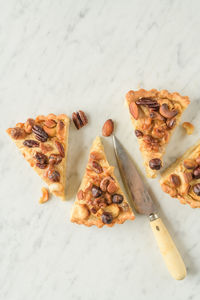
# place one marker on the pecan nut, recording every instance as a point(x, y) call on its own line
point(138, 133)
point(60, 148)
point(151, 103)
point(55, 159)
point(166, 112)
point(53, 175)
point(106, 218)
point(17, 133)
point(31, 143)
point(79, 118)
point(40, 134)
point(175, 180)
point(117, 198)
point(50, 123)
point(96, 167)
point(96, 191)
point(190, 163)
point(155, 164)
point(42, 160)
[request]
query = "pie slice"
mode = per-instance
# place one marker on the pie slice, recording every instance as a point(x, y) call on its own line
point(182, 179)
point(100, 200)
point(43, 143)
point(154, 115)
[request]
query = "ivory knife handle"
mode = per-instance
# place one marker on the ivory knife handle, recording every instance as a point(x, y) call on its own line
point(168, 250)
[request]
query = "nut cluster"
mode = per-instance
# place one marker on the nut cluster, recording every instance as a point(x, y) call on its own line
point(153, 128)
point(101, 195)
point(42, 129)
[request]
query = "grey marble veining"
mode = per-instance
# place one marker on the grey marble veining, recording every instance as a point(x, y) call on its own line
point(61, 56)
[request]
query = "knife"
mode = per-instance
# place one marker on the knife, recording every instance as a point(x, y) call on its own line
point(141, 200)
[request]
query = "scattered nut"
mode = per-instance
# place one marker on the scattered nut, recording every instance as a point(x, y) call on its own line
point(96, 191)
point(45, 196)
point(190, 163)
point(171, 123)
point(188, 127)
point(79, 118)
point(134, 110)
point(175, 180)
point(108, 128)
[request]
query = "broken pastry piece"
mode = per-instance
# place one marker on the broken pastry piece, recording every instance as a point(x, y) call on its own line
point(44, 142)
point(100, 200)
point(155, 115)
point(182, 179)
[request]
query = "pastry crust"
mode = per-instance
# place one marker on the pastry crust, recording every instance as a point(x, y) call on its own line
point(84, 211)
point(184, 167)
point(149, 120)
point(57, 128)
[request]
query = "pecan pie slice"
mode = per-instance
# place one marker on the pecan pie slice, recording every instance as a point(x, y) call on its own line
point(154, 115)
point(100, 200)
point(182, 179)
point(44, 142)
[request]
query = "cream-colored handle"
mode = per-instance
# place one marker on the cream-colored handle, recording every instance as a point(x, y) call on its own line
point(168, 250)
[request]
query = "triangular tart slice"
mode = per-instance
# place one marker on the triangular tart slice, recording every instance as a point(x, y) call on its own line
point(44, 143)
point(100, 200)
point(182, 179)
point(155, 115)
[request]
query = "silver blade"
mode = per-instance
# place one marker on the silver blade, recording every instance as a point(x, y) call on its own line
point(139, 198)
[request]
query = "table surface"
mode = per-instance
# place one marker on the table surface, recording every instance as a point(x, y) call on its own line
point(62, 56)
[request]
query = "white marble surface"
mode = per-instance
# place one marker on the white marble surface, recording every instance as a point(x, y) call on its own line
point(60, 56)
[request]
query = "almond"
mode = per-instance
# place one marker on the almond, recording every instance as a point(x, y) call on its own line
point(108, 128)
point(50, 123)
point(134, 110)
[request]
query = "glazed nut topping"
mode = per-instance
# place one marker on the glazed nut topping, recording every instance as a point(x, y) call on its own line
point(196, 189)
point(188, 127)
point(17, 133)
point(134, 110)
point(41, 160)
point(55, 159)
point(117, 198)
point(196, 173)
point(166, 112)
point(188, 177)
point(106, 218)
point(95, 155)
point(155, 164)
point(138, 133)
point(50, 123)
point(190, 164)
point(53, 175)
point(40, 134)
point(31, 143)
point(175, 180)
point(45, 196)
point(29, 125)
point(60, 148)
point(79, 118)
point(96, 167)
point(108, 128)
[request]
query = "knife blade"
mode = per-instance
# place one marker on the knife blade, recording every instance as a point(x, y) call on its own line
point(141, 200)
